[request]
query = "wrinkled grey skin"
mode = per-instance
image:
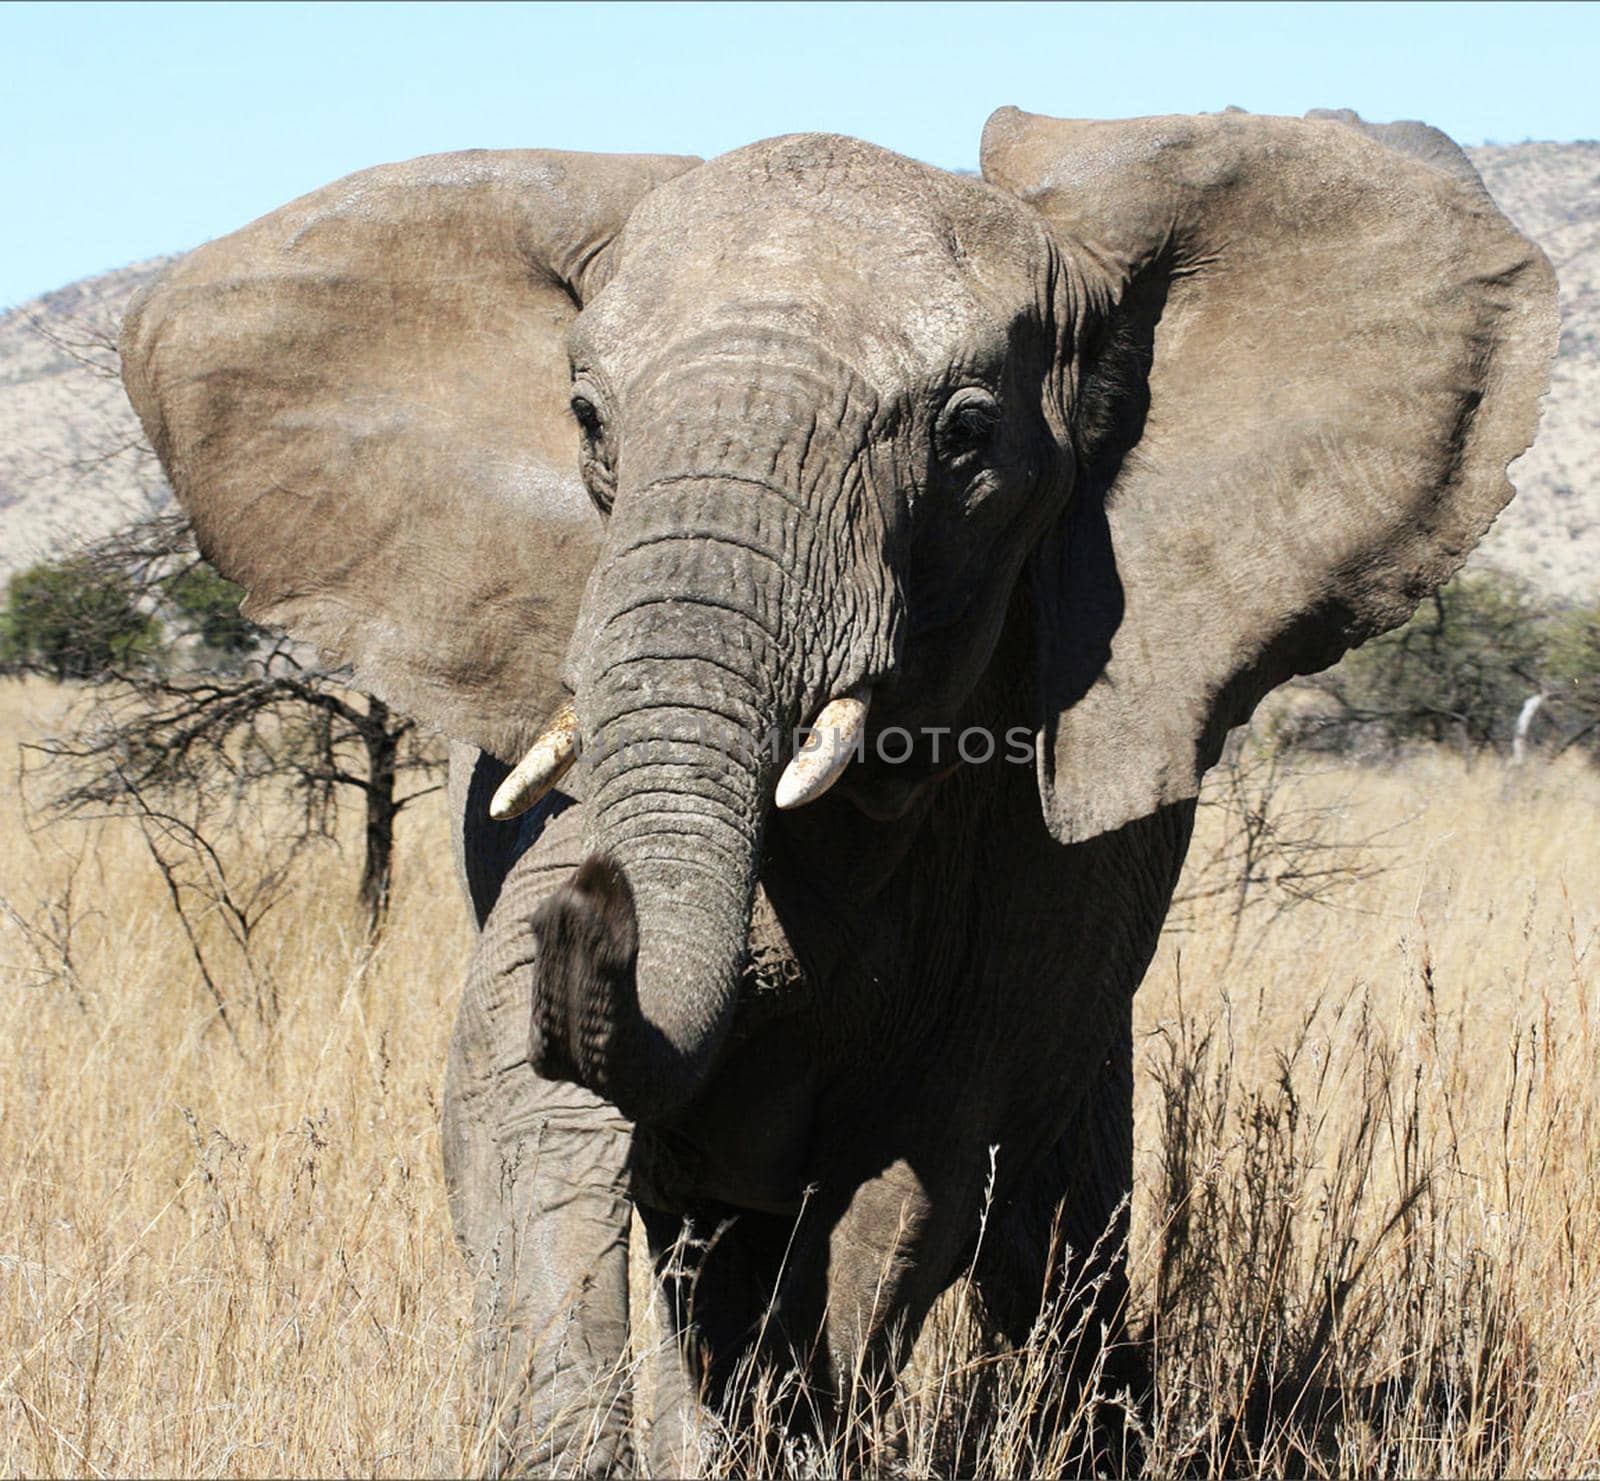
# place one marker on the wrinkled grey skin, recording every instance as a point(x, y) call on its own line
point(1096, 450)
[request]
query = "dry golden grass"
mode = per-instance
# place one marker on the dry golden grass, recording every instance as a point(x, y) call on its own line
point(212, 1261)
point(1385, 1119)
point(1366, 1238)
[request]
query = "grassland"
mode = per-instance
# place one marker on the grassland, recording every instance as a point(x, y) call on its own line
point(1366, 1238)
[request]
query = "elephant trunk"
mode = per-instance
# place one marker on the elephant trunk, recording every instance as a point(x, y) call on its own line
point(643, 951)
point(687, 680)
point(731, 603)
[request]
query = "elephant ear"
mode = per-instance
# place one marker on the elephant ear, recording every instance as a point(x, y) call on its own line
point(1305, 352)
point(1408, 136)
point(361, 402)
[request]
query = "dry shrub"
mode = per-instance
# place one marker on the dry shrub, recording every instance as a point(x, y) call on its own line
point(1366, 1233)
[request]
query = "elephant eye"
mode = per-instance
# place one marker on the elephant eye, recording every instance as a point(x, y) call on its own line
point(596, 458)
point(583, 409)
point(967, 424)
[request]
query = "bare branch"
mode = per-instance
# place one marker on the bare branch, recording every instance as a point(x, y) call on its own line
point(218, 726)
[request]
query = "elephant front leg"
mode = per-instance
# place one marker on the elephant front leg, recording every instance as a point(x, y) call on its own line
point(538, 1196)
point(1053, 1270)
point(891, 1249)
point(538, 1178)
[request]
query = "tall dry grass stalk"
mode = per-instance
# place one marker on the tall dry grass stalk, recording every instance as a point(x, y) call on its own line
point(1366, 1236)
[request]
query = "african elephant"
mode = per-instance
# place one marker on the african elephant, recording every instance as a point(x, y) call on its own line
point(1088, 453)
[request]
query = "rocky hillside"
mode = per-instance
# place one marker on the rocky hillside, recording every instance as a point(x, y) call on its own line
point(70, 463)
point(1550, 533)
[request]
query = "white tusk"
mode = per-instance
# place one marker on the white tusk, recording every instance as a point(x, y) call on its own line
point(545, 764)
point(835, 735)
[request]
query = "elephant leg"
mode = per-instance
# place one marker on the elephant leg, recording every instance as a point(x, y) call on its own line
point(1059, 1251)
point(537, 1173)
point(668, 1417)
point(889, 1252)
point(722, 1275)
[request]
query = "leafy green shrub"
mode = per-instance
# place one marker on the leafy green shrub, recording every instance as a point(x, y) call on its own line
point(76, 619)
point(1457, 674)
point(1573, 669)
point(207, 604)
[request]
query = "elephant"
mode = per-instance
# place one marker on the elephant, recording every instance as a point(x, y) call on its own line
point(894, 549)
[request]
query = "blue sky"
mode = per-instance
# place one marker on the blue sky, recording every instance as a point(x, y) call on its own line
point(143, 128)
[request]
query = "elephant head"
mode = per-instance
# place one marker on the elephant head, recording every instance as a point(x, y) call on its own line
point(717, 447)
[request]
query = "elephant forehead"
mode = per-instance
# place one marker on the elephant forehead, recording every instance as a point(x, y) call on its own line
point(899, 267)
point(811, 189)
point(768, 306)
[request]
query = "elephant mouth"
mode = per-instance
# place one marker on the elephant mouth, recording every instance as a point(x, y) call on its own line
point(888, 792)
point(899, 768)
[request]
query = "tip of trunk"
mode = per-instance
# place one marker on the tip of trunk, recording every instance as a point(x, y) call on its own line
point(587, 1024)
point(588, 935)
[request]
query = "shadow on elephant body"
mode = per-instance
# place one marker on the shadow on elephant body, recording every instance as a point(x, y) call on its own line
point(759, 1298)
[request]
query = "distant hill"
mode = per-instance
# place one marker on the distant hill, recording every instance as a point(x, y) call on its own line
point(1550, 533)
point(65, 428)
point(69, 460)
